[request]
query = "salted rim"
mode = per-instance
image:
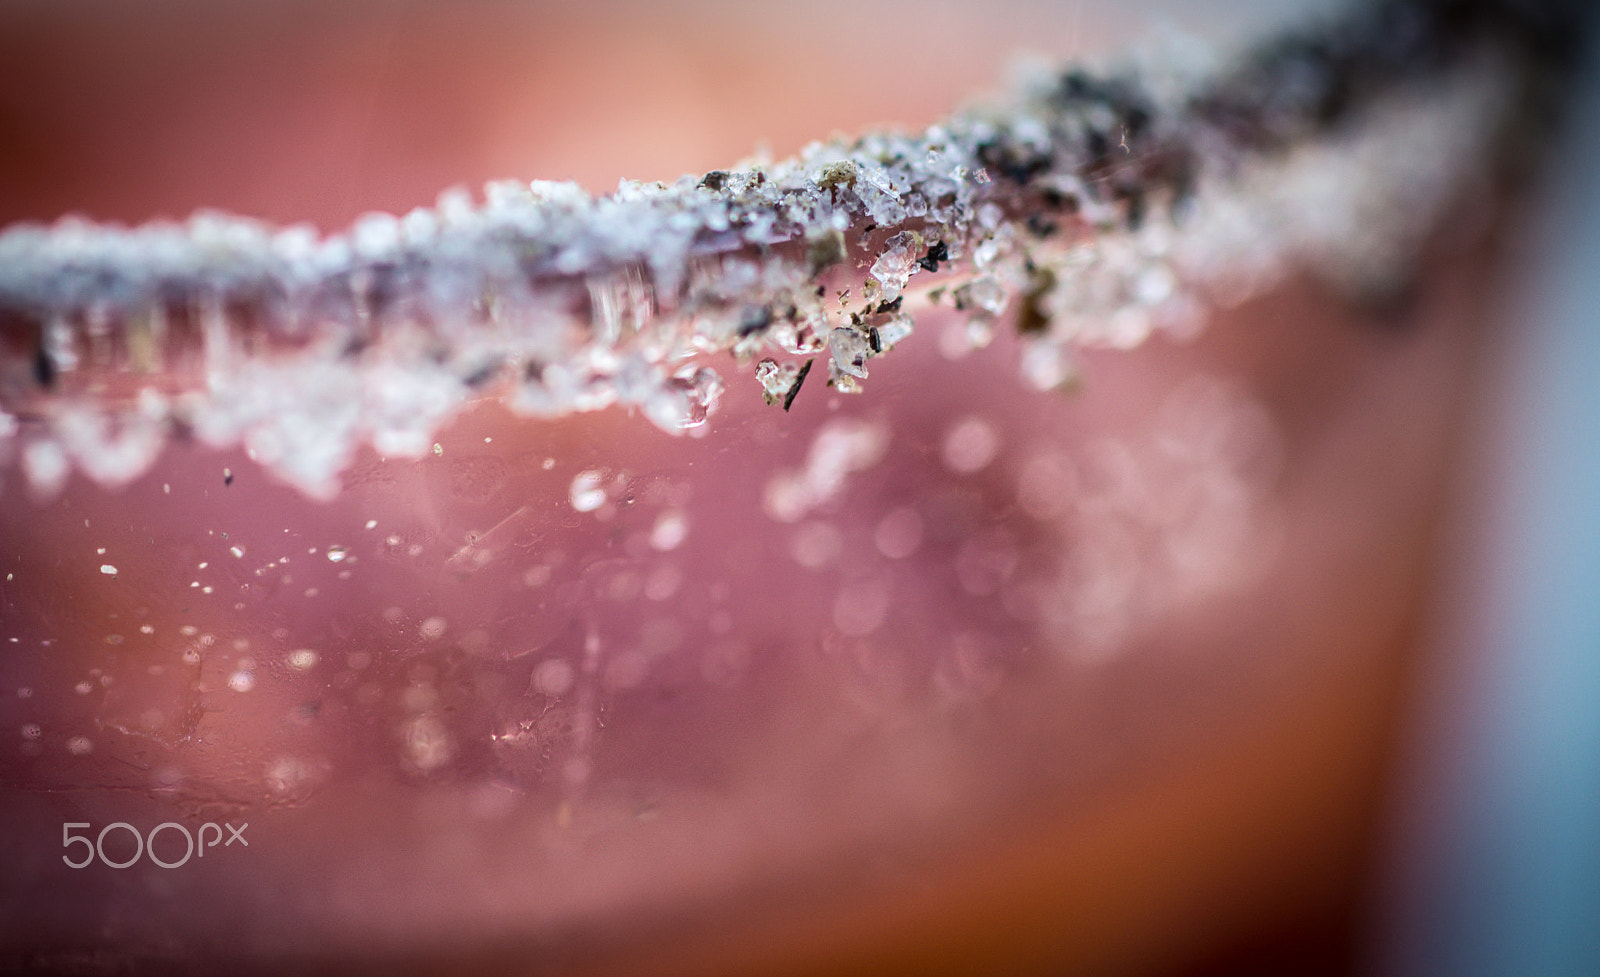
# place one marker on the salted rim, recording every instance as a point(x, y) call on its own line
point(1097, 206)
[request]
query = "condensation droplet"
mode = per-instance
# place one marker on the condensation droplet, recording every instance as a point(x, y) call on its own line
point(899, 534)
point(554, 677)
point(816, 544)
point(588, 490)
point(985, 563)
point(670, 530)
point(1047, 485)
point(861, 608)
point(970, 445)
point(428, 743)
point(663, 582)
point(1048, 366)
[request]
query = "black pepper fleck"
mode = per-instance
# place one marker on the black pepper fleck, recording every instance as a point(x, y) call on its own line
point(799, 378)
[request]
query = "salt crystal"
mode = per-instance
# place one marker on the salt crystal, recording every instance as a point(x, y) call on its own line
point(895, 265)
point(850, 351)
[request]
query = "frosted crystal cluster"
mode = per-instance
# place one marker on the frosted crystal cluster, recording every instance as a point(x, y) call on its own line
point(1095, 208)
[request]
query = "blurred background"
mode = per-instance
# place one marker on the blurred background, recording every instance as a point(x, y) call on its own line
point(1381, 756)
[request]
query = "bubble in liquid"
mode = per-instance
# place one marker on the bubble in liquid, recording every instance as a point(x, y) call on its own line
point(588, 490)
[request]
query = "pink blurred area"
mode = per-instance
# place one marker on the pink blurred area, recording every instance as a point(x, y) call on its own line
point(1208, 803)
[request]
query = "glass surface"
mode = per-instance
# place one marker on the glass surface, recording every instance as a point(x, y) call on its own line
point(951, 675)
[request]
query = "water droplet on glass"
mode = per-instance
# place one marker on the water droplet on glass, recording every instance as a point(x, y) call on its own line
point(669, 531)
point(899, 534)
point(816, 544)
point(1048, 366)
point(861, 607)
point(588, 492)
point(554, 677)
point(970, 445)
